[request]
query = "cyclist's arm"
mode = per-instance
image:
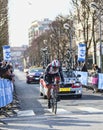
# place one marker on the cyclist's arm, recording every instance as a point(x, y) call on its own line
point(46, 72)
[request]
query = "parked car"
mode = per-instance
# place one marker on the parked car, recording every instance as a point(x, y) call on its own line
point(33, 75)
point(72, 86)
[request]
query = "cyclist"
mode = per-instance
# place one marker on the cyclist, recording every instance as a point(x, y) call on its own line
point(52, 70)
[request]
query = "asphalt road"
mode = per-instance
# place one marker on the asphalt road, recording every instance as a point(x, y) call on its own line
point(74, 114)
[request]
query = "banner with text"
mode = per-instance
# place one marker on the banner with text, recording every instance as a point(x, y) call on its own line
point(81, 52)
point(6, 53)
point(84, 77)
point(6, 92)
point(100, 81)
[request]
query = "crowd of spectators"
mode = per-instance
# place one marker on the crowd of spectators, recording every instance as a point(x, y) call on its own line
point(81, 67)
point(95, 68)
point(6, 70)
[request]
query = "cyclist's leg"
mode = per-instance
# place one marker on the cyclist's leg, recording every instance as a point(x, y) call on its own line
point(49, 95)
point(49, 90)
point(57, 78)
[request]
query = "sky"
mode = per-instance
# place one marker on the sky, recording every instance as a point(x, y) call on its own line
point(23, 12)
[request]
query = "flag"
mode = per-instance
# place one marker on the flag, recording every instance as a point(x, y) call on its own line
point(81, 52)
point(6, 53)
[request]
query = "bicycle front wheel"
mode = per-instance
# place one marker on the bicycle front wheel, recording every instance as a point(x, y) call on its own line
point(54, 104)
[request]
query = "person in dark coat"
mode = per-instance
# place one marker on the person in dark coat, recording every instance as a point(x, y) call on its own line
point(84, 68)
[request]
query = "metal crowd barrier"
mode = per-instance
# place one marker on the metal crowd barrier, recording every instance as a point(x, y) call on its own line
point(8, 97)
point(90, 80)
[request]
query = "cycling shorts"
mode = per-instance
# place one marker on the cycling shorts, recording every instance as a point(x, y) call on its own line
point(50, 78)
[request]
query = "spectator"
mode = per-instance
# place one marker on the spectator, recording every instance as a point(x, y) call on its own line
point(0, 69)
point(96, 68)
point(6, 71)
point(95, 72)
point(4, 63)
point(84, 68)
point(78, 67)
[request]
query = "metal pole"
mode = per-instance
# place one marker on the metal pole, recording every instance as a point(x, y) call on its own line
point(70, 30)
point(70, 39)
point(71, 59)
point(100, 57)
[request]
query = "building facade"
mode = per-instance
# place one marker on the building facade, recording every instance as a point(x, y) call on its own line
point(17, 55)
point(37, 28)
point(88, 28)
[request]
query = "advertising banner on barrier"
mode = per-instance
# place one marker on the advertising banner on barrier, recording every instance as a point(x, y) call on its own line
point(81, 52)
point(2, 94)
point(89, 81)
point(6, 93)
point(6, 53)
point(83, 78)
point(100, 81)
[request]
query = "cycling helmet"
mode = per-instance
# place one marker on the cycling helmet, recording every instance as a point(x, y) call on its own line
point(55, 63)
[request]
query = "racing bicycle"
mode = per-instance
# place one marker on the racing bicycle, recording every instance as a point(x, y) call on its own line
point(54, 94)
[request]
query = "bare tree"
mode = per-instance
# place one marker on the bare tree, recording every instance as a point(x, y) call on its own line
point(89, 28)
point(59, 38)
point(83, 18)
point(57, 42)
point(4, 35)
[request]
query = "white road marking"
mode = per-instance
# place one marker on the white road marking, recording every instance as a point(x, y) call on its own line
point(90, 109)
point(25, 113)
point(60, 111)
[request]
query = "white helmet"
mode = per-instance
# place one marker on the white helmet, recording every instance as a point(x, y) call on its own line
point(55, 63)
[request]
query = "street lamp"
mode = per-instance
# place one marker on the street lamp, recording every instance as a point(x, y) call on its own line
point(94, 6)
point(44, 56)
point(67, 26)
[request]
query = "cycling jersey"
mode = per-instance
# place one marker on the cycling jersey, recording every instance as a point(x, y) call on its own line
point(50, 74)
